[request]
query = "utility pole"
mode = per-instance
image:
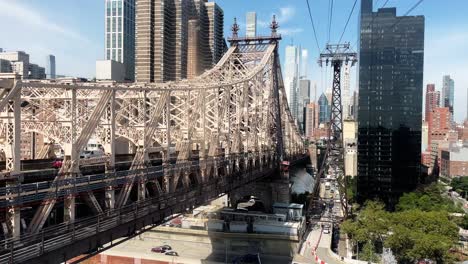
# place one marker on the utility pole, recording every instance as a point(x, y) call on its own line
point(336, 55)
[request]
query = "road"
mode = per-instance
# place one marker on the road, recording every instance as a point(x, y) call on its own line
point(191, 249)
point(318, 243)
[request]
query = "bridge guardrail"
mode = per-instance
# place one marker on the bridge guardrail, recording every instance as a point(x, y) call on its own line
point(19, 194)
point(31, 245)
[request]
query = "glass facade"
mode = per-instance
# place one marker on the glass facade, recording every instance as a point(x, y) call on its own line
point(324, 109)
point(120, 34)
point(391, 58)
point(448, 92)
point(50, 67)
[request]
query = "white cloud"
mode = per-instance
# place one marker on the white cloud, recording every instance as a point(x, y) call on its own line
point(283, 15)
point(289, 31)
point(25, 15)
point(286, 14)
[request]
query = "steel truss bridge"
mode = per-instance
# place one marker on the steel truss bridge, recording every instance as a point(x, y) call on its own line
point(214, 133)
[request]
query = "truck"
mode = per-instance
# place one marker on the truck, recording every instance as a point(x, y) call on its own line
point(327, 186)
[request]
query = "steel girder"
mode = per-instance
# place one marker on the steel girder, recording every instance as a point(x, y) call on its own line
point(233, 108)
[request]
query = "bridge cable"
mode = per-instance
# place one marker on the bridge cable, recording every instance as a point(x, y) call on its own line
point(399, 18)
point(330, 19)
point(313, 26)
point(346, 25)
point(372, 22)
point(407, 12)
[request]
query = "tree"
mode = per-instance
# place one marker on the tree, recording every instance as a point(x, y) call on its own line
point(368, 252)
point(427, 199)
point(416, 235)
point(460, 185)
point(369, 227)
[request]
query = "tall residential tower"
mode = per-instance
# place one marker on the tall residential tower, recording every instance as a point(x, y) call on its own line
point(177, 39)
point(291, 77)
point(391, 63)
point(448, 92)
point(50, 67)
point(120, 34)
point(251, 24)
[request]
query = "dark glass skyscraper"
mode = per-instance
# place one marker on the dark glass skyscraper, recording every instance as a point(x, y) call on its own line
point(324, 109)
point(391, 60)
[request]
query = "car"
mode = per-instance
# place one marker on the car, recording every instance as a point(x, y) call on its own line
point(171, 253)
point(161, 249)
point(57, 164)
point(158, 250)
point(326, 231)
point(86, 154)
point(166, 247)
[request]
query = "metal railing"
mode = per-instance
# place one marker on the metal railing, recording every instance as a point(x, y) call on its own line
point(33, 192)
point(29, 246)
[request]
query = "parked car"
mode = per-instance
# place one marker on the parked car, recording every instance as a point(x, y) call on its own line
point(158, 250)
point(161, 249)
point(172, 253)
point(166, 247)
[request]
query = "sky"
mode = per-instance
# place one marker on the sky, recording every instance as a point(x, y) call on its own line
point(73, 31)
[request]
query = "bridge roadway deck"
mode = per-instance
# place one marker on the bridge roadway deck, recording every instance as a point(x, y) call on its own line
point(61, 242)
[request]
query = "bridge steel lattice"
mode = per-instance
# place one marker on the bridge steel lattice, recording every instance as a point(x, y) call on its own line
point(233, 117)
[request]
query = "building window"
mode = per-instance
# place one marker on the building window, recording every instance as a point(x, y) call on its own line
point(108, 40)
point(113, 40)
point(114, 8)
point(108, 54)
point(119, 58)
point(119, 43)
point(108, 8)
point(113, 54)
point(120, 7)
point(114, 21)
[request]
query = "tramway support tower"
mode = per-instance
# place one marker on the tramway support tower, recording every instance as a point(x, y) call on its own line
point(335, 55)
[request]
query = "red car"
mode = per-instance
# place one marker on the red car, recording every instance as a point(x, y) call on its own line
point(158, 250)
point(57, 164)
point(161, 249)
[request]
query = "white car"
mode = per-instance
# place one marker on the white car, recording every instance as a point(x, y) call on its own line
point(86, 154)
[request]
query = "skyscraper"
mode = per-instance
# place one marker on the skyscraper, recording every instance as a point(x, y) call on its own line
point(291, 77)
point(216, 34)
point(432, 100)
point(251, 24)
point(312, 119)
point(324, 109)
point(120, 34)
point(303, 95)
point(390, 103)
point(173, 33)
point(304, 63)
point(50, 67)
point(448, 90)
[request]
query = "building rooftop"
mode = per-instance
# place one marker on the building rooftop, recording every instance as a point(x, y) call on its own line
point(289, 206)
point(460, 154)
